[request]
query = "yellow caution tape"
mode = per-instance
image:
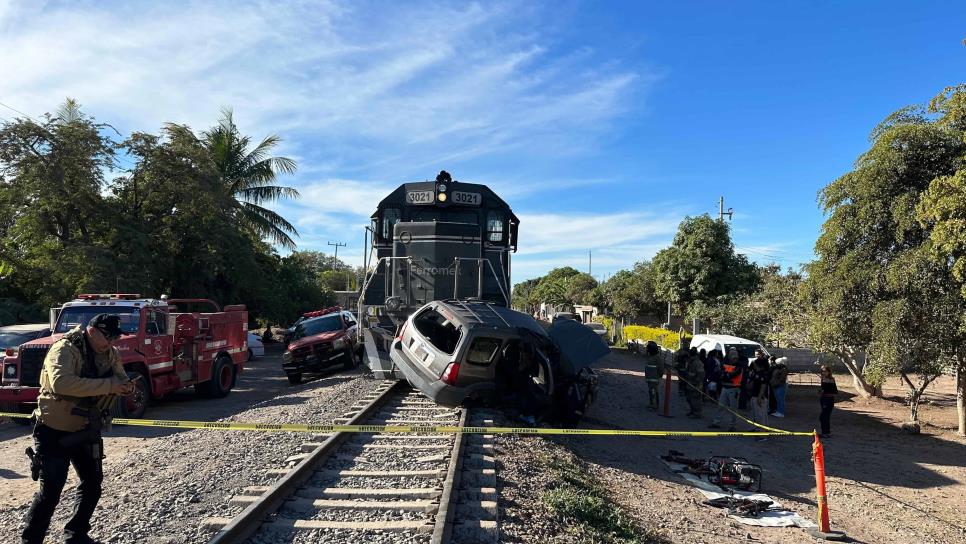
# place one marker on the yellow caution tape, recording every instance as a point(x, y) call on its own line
point(417, 429)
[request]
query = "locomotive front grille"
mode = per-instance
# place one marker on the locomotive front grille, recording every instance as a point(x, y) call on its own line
point(31, 363)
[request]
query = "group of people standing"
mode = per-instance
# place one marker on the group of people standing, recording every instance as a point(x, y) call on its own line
point(733, 382)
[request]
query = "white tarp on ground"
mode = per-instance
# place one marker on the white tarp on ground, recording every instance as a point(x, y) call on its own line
point(771, 518)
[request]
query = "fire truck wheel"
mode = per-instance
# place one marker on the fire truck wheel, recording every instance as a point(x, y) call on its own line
point(294, 379)
point(222, 378)
point(134, 405)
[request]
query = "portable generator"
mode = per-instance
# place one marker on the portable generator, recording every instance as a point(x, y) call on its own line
point(735, 472)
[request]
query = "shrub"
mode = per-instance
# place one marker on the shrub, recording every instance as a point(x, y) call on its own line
point(663, 337)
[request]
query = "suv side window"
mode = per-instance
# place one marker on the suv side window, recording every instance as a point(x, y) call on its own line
point(482, 350)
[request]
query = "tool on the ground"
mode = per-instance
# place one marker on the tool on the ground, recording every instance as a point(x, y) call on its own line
point(738, 506)
point(694, 466)
point(735, 472)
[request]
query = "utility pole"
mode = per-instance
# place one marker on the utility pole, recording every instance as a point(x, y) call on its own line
point(337, 246)
point(722, 212)
point(590, 263)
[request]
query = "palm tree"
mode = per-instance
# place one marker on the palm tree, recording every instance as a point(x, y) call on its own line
point(248, 177)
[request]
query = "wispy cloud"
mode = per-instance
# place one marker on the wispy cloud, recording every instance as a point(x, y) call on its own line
point(365, 95)
point(361, 87)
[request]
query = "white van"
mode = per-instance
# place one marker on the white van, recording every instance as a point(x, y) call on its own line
point(724, 342)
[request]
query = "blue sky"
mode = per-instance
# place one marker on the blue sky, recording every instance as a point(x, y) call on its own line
point(603, 124)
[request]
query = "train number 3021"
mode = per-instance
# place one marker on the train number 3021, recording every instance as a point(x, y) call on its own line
point(420, 197)
point(472, 199)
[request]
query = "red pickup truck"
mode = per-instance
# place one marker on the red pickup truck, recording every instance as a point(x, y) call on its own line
point(321, 340)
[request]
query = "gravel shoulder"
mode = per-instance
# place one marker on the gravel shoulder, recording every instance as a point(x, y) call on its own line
point(885, 486)
point(161, 484)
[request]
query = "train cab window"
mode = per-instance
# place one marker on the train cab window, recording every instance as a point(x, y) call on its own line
point(494, 226)
point(390, 216)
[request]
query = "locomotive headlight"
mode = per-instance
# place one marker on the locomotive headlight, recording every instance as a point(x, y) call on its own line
point(441, 197)
point(10, 371)
point(441, 187)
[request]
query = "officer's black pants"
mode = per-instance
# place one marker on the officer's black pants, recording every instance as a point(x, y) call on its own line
point(55, 460)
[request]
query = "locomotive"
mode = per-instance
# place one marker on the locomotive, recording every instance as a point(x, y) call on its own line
point(432, 240)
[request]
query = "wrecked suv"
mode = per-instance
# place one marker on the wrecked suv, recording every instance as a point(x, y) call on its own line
point(459, 351)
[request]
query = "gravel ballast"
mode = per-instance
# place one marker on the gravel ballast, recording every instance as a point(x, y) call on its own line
point(159, 489)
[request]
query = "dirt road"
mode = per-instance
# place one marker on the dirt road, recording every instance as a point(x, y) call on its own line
point(885, 486)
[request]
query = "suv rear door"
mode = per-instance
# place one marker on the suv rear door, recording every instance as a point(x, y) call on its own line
point(431, 340)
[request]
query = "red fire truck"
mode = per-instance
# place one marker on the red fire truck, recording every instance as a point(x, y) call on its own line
point(164, 347)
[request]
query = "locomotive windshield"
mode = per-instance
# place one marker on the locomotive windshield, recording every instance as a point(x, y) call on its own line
point(73, 316)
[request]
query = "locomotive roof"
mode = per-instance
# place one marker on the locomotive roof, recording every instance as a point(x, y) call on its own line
point(398, 196)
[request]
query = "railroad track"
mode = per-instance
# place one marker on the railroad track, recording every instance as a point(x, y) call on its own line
point(381, 487)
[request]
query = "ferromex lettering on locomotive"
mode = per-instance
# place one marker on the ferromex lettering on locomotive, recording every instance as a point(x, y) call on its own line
point(433, 240)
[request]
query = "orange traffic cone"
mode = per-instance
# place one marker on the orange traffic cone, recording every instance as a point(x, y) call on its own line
point(824, 530)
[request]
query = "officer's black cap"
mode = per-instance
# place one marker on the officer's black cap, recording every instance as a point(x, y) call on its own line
point(108, 324)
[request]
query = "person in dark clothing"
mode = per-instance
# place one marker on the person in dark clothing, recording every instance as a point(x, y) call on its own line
point(756, 386)
point(82, 374)
point(827, 399)
point(681, 359)
point(745, 394)
point(653, 371)
point(695, 382)
point(712, 374)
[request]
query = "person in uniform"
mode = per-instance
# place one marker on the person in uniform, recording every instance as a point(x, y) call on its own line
point(653, 370)
point(695, 374)
point(81, 374)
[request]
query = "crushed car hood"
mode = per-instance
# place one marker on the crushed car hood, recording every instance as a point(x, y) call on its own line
point(579, 346)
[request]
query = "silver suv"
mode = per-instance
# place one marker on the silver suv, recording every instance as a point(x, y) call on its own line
point(454, 351)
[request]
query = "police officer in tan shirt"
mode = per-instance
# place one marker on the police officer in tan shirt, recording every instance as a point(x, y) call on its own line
point(81, 369)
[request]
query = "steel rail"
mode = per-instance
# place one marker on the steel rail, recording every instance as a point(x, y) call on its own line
point(246, 523)
point(443, 526)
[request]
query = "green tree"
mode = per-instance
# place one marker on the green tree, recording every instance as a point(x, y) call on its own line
point(701, 264)
point(247, 178)
point(54, 218)
point(522, 296)
point(943, 210)
point(578, 289)
point(630, 293)
point(552, 288)
point(771, 314)
point(740, 315)
point(871, 289)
